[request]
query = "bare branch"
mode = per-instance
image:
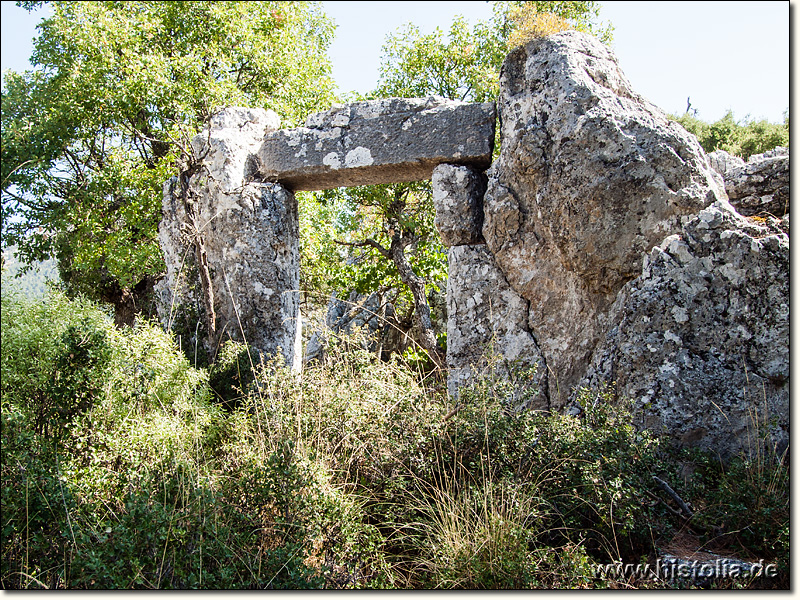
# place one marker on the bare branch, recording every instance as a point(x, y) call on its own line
point(672, 494)
point(365, 244)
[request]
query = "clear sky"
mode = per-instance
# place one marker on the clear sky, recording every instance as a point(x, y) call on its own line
point(724, 55)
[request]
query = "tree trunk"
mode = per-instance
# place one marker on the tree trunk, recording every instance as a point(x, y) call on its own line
point(422, 312)
point(130, 303)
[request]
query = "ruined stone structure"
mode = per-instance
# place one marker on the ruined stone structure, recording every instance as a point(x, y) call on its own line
point(230, 227)
point(600, 248)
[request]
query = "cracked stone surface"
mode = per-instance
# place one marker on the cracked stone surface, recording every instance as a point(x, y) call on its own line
point(250, 235)
point(590, 177)
point(761, 185)
point(700, 341)
point(487, 331)
point(390, 140)
point(458, 200)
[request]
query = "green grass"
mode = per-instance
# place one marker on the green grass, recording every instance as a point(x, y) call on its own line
point(123, 466)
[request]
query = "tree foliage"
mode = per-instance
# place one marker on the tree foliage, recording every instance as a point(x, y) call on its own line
point(118, 88)
point(740, 138)
point(529, 20)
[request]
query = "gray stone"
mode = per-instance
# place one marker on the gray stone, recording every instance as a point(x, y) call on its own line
point(722, 162)
point(761, 186)
point(590, 177)
point(700, 341)
point(379, 141)
point(458, 200)
point(487, 331)
point(248, 248)
point(775, 152)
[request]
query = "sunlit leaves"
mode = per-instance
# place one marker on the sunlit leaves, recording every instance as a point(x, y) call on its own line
point(90, 136)
point(738, 137)
point(464, 66)
point(528, 20)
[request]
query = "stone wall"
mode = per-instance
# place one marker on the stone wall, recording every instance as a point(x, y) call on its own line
point(600, 248)
point(231, 246)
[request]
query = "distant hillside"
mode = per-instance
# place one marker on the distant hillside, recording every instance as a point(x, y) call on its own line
point(33, 283)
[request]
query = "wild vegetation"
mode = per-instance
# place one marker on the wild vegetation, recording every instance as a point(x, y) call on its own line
point(741, 138)
point(128, 463)
point(123, 466)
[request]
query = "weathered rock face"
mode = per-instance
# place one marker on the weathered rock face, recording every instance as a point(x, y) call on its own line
point(760, 186)
point(590, 177)
point(379, 141)
point(458, 200)
point(231, 246)
point(700, 340)
point(487, 329)
point(722, 162)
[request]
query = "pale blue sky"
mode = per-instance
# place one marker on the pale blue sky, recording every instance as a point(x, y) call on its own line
point(724, 55)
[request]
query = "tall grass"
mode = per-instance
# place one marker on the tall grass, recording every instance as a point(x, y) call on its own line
point(123, 466)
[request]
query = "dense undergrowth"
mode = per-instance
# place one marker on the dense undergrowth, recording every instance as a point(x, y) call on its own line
point(123, 466)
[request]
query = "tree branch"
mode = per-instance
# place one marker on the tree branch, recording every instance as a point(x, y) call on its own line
point(672, 494)
point(368, 243)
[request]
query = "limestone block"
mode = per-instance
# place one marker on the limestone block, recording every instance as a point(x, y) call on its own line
point(255, 254)
point(458, 199)
point(590, 177)
point(245, 234)
point(701, 339)
point(379, 141)
point(487, 330)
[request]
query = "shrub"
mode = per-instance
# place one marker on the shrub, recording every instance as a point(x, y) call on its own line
point(359, 473)
point(740, 138)
point(54, 359)
point(231, 373)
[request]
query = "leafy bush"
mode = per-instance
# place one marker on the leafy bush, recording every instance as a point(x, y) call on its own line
point(152, 474)
point(740, 138)
point(231, 373)
point(359, 473)
point(742, 507)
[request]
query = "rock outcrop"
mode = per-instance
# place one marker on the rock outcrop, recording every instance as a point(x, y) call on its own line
point(487, 330)
point(590, 177)
point(761, 185)
point(378, 141)
point(700, 341)
point(722, 162)
point(231, 246)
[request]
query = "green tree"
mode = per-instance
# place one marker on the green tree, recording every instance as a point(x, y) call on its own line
point(118, 89)
point(740, 138)
point(393, 235)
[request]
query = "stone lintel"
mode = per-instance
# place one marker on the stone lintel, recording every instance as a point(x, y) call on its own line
point(390, 140)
